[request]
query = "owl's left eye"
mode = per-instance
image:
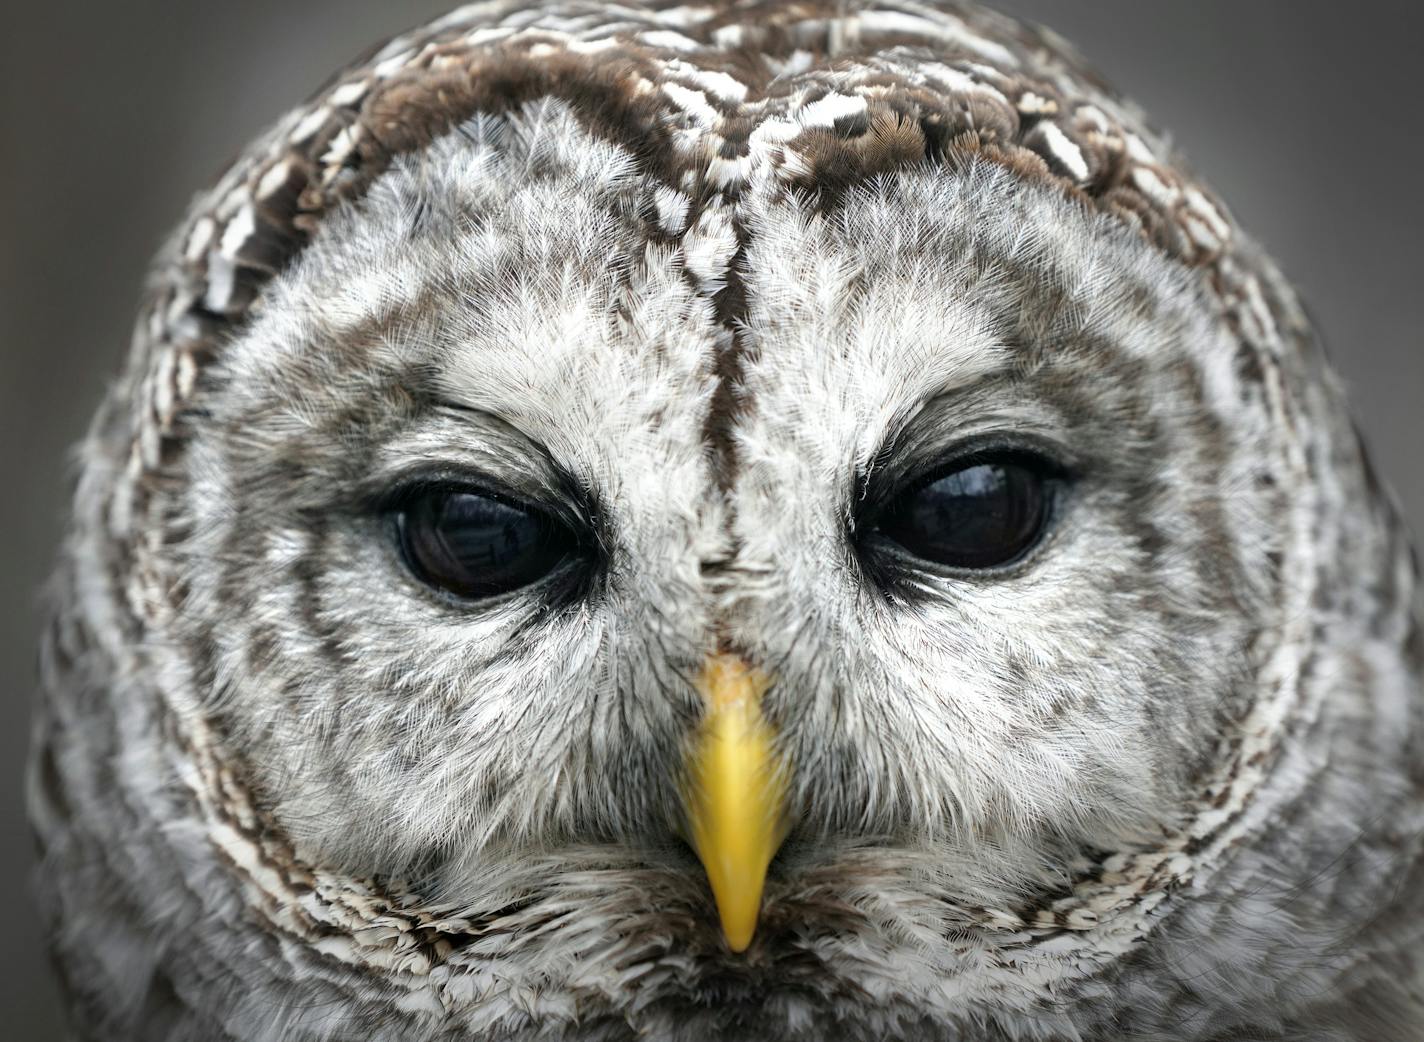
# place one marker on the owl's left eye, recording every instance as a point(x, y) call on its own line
point(475, 545)
point(981, 513)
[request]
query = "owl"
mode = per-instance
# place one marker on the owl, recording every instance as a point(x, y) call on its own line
point(772, 520)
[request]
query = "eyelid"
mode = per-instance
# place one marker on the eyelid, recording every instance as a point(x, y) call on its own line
point(421, 483)
point(459, 445)
point(875, 496)
point(1050, 467)
point(560, 501)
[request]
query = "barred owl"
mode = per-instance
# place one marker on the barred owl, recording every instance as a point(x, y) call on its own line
point(775, 520)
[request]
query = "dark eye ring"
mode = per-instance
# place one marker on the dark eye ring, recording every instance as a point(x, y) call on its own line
point(981, 512)
point(477, 544)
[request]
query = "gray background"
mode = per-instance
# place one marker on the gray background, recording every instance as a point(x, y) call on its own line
point(1304, 115)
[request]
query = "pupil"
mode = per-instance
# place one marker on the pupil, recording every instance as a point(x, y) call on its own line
point(477, 545)
point(979, 516)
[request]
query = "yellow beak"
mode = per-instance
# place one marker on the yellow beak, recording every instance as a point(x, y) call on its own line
point(736, 796)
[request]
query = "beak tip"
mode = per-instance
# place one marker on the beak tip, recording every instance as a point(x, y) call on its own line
point(738, 910)
point(739, 925)
point(739, 941)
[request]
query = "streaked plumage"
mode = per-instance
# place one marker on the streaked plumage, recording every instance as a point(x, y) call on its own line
point(710, 276)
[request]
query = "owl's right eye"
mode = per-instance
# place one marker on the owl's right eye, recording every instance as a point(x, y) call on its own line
point(476, 545)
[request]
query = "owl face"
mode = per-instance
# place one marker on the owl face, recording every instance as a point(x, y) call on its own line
point(776, 520)
point(491, 477)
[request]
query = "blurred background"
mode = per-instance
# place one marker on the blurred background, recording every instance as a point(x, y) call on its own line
point(1304, 115)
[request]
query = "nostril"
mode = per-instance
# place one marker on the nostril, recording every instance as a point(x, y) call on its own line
point(714, 567)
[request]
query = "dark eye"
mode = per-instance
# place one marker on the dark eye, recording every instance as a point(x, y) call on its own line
point(474, 544)
point(984, 513)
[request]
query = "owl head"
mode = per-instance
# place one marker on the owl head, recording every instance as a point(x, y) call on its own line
point(711, 519)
